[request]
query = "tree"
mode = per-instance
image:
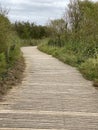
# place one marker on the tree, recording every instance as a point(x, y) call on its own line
point(26, 30)
point(58, 28)
point(73, 16)
point(89, 22)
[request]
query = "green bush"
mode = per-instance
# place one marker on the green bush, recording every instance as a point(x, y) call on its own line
point(5, 27)
point(34, 42)
point(90, 68)
point(14, 54)
point(2, 63)
point(56, 42)
point(68, 58)
point(47, 49)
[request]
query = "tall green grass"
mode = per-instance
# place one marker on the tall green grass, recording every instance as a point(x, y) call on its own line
point(11, 65)
point(78, 55)
point(29, 42)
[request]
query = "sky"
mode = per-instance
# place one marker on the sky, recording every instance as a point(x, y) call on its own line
point(37, 11)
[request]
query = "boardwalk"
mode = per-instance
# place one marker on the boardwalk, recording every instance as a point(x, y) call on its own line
point(52, 96)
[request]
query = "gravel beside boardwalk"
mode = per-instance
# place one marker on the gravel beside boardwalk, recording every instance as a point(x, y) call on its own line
point(52, 96)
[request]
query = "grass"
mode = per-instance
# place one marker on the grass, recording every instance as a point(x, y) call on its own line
point(87, 64)
point(12, 76)
point(3, 63)
point(11, 67)
point(58, 52)
point(29, 42)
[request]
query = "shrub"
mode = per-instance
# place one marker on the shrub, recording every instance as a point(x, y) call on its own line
point(2, 63)
point(56, 42)
point(29, 42)
point(4, 32)
point(90, 68)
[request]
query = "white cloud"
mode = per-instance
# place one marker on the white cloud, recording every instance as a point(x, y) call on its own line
point(38, 11)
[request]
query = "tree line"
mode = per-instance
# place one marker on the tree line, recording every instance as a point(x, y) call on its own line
point(27, 30)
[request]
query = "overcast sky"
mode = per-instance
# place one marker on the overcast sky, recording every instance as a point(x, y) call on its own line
point(38, 11)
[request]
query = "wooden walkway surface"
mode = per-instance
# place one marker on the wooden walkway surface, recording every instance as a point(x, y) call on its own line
point(52, 96)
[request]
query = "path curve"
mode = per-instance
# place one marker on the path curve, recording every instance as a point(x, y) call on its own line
point(52, 96)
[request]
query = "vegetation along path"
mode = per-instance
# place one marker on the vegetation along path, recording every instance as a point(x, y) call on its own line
point(52, 96)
